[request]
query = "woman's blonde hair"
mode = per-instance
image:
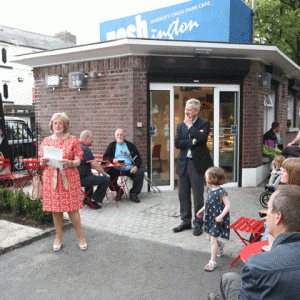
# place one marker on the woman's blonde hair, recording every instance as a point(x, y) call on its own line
point(278, 160)
point(292, 167)
point(215, 176)
point(65, 119)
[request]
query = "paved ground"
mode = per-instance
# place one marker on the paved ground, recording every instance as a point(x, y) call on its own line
point(133, 254)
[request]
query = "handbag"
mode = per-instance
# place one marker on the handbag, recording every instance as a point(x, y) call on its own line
point(36, 189)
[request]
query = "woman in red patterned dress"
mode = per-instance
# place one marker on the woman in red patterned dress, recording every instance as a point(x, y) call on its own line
point(61, 187)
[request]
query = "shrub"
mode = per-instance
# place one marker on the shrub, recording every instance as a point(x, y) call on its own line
point(6, 196)
point(17, 203)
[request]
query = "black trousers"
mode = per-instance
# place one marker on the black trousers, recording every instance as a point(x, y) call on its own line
point(191, 180)
point(101, 182)
point(137, 178)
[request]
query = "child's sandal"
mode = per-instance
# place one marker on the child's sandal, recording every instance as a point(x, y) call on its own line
point(210, 266)
point(220, 249)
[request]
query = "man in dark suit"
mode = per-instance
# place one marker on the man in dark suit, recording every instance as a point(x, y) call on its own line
point(193, 160)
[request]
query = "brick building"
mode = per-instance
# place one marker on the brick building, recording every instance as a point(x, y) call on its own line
point(142, 85)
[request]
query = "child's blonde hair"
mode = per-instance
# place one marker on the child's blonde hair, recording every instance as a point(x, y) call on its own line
point(215, 176)
point(278, 160)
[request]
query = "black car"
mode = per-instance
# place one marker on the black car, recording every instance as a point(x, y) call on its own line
point(21, 141)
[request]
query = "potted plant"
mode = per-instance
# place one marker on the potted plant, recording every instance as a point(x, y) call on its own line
point(289, 123)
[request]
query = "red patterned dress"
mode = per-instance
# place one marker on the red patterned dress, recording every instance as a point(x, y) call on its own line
point(60, 199)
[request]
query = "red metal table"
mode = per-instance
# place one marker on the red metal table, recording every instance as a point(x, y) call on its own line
point(251, 249)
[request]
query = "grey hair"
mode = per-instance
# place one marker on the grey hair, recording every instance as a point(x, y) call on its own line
point(64, 118)
point(85, 134)
point(287, 202)
point(119, 129)
point(197, 103)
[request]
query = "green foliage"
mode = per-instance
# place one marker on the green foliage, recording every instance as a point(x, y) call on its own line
point(19, 204)
point(6, 196)
point(277, 23)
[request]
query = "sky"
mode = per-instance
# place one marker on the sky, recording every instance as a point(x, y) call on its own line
point(80, 18)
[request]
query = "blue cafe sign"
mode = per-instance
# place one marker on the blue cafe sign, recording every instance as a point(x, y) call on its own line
point(195, 20)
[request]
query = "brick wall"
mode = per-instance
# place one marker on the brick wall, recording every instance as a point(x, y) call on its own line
point(253, 116)
point(115, 99)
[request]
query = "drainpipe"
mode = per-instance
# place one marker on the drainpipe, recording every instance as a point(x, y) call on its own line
point(253, 14)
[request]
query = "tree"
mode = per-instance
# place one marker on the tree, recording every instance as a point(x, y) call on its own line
point(277, 22)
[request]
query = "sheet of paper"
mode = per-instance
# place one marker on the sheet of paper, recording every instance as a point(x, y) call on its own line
point(54, 155)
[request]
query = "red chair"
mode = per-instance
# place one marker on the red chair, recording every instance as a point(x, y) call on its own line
point(11, 179)
point(85, 196)
point(250, 226)
point(32, 166)
point(156, 154)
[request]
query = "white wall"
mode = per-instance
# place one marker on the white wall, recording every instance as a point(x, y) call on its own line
point(254, 176)
point(19, 78)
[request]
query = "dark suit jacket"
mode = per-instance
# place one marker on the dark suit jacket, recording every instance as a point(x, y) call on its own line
point(184, 141)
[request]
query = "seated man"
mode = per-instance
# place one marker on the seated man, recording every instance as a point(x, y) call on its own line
point(87, 179)
point(274, 274)
point(122, 149)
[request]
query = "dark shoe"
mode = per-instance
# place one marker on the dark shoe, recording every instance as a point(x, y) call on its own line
point(134, 198)
point(197, 231)
point(181, 227)
point(119, 195)
point(94, 204)
point(214, 296)
point(87, 202)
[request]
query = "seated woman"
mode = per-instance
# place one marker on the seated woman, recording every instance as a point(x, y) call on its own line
point(290, 174)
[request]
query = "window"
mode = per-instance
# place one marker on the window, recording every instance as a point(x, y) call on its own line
point(5, 90)
point(4, 58)
point(269, 111)
point(291, 111)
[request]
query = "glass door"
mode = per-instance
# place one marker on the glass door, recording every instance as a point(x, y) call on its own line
point(160, 137)
point(219, 105)
point(226, 114)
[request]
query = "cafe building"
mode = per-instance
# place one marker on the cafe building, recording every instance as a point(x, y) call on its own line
point(140, 82)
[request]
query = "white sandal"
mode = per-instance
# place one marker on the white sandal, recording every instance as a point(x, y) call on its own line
point(210, 266)
point(83, 247)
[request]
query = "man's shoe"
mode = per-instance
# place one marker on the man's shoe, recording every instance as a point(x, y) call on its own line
point(134, 198)
point(182, 226)
point(214, 296)
point(96, 204)
point(87, 202)
point(119, 195)
point(197, 231)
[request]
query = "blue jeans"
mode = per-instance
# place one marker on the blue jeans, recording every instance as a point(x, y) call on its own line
point(101, 182)
point(230, 286)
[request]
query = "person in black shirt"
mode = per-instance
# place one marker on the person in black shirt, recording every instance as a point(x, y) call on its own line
point(87, 179)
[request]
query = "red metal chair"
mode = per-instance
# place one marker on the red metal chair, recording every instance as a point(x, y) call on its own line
point(11, 179)
point(250, 226)
point(85, 196)
point(32, 166)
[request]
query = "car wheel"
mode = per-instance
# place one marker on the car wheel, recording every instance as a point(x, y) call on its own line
point(18, 164)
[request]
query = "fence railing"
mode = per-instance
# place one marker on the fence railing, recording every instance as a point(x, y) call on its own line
point(22, 142)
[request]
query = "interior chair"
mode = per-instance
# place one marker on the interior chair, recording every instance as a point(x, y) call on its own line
point(156, 155)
